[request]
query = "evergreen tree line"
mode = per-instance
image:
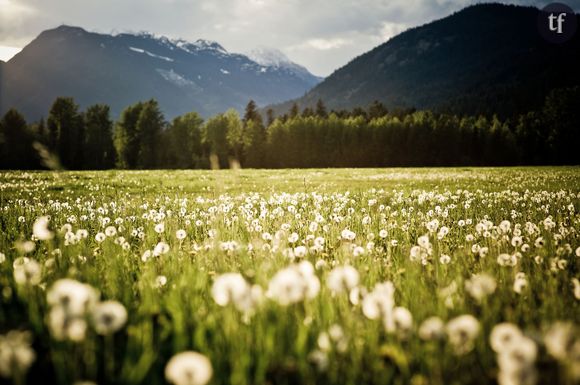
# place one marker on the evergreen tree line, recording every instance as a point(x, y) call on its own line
point(313, 137)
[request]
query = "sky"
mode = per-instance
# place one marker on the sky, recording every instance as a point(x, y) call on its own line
point(322, 35)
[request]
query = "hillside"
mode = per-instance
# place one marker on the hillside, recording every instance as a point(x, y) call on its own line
point(122, 69)
point(486, 58)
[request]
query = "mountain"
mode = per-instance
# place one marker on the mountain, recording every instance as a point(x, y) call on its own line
point(2, 65)
point(272, 57)
point(122, 69)
point(486, 58)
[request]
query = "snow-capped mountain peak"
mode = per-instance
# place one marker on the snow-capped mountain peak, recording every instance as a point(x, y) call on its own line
point(199, 45)
point(209, 45)
point(269, 57)
point(122, 68)
point(272, 57)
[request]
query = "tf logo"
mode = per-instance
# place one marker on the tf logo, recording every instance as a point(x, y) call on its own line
point(557, 23)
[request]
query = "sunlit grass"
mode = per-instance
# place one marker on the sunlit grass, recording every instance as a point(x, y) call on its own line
point(501, 245)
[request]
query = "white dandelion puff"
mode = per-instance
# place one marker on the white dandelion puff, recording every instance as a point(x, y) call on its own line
point(444, 259)
point(342, 278)
point(160, 249)
point(100, 237)
point(27, 271)
point(380, 301)
point(230, 288)
point(576, 287)
point(109, 317)
point(559, 338)
point(462, 332)
point(480, 286)
point(294, 284)
point(16, 353)
point(403, 321)
point(110, 231)
point(188, 368)
point(40, 229)
point(504, 336)
point(160, 228)
point(348, 235)
point(160, 281)
point(431, 329)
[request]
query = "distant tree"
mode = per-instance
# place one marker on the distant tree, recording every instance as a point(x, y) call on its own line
point(235, 135)
point(377, 110)
point(307, 112)
point(277, 141)
point(149, 127)
point(127, 138)
point(39, 131)
point(251, 112)
point(66, 132)
point(562, 121)
point(99, 147)
point(78, 155)
point(341, 113)
point(16, 151)
point(321, 111)
point(358, 112)
point(371, 137)
point(294, 111)
point(255, 144)
point(214, 136)
point(269, 117)
point(184, 147)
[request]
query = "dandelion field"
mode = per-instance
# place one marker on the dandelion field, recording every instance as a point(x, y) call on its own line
point(371, 276)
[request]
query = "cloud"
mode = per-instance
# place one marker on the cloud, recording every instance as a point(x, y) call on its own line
point(6, 53)
point(323, 44)
point(388, 30)
point(320, 34)
point(12, 15)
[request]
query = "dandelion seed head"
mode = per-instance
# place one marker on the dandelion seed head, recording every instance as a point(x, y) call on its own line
point(40, 229)
point(188, 368)
point(109, 317)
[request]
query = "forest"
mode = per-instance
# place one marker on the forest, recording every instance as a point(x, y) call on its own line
point(363, 137)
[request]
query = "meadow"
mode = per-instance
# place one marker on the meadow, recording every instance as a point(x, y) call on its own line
point(246, 277)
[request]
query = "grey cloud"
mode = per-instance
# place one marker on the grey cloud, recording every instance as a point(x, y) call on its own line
point(320, 34)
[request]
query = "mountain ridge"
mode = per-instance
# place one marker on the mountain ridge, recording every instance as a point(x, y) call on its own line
point(483, 59)
point(275, 58)
point(124, 68)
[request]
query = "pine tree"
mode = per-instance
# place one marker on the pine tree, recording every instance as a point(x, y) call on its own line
point(269, 117)
point(214, 138)
point(16, 151)
point(294, 111)
point(126, 138)
point(321, 109)
point(377, 110)
point(251, 112)
point(184, 144)
point(561, 115)
point(235, 135)
point(255, 144)
point(254, 137)
point(79, 138)
point(66, 131)
point(40, 131)
point(149, 127)
point(307, 112)
point(99, 147)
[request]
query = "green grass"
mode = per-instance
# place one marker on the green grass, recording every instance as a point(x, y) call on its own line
point(272, 343)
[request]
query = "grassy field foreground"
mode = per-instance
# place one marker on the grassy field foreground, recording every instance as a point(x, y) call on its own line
point(374, 276)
